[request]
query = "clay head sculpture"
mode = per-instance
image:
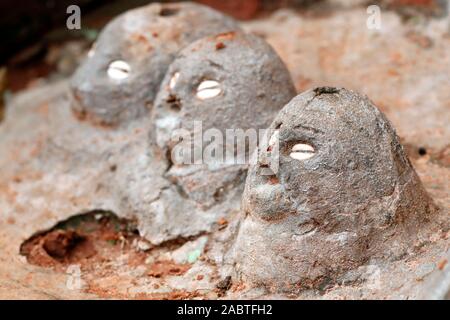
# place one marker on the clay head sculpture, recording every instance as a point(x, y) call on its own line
point(343, 192)
point(227, 81)
point(122, 74)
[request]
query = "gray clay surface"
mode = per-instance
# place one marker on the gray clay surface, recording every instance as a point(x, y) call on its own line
point(349, 197)
point(54, 166)
point(254, 84)
point(146, 39)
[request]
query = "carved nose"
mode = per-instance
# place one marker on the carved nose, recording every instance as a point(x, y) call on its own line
point(268, 156)
point(265, 201)
point(164, 129)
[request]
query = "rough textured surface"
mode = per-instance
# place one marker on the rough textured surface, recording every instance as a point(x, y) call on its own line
point(404, 68)
point(147, 39)
point(121, 170)
point(356, 198)
point(255, 84)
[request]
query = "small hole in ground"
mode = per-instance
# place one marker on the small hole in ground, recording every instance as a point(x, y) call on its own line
point(95, 241)
point(78, 238)
point(422, 151)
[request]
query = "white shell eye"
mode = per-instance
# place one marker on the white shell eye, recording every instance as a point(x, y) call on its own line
point(173, 80)
point(118, 70)
point(91, 51)
point(302, 151)
point(208, 89)
point(274, 138)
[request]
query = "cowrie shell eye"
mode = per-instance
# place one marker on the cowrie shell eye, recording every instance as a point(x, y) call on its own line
point(118, 70)
point(173, 80)
point(91, 51)
point(302, 151)
point(208, 89)
point(273, 139)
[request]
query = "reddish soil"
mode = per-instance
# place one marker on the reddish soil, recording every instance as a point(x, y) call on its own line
point(94, 241)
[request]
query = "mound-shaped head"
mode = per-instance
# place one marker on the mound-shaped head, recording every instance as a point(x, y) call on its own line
point(231, 81)
point(228, 81)
point(331, 188)
point(122, 74)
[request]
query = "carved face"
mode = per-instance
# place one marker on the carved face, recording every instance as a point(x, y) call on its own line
point(228, 81)
point(123, 71)
point(342, 183)
point(336, 155)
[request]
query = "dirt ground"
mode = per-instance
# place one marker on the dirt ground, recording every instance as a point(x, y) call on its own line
point(404, 68)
